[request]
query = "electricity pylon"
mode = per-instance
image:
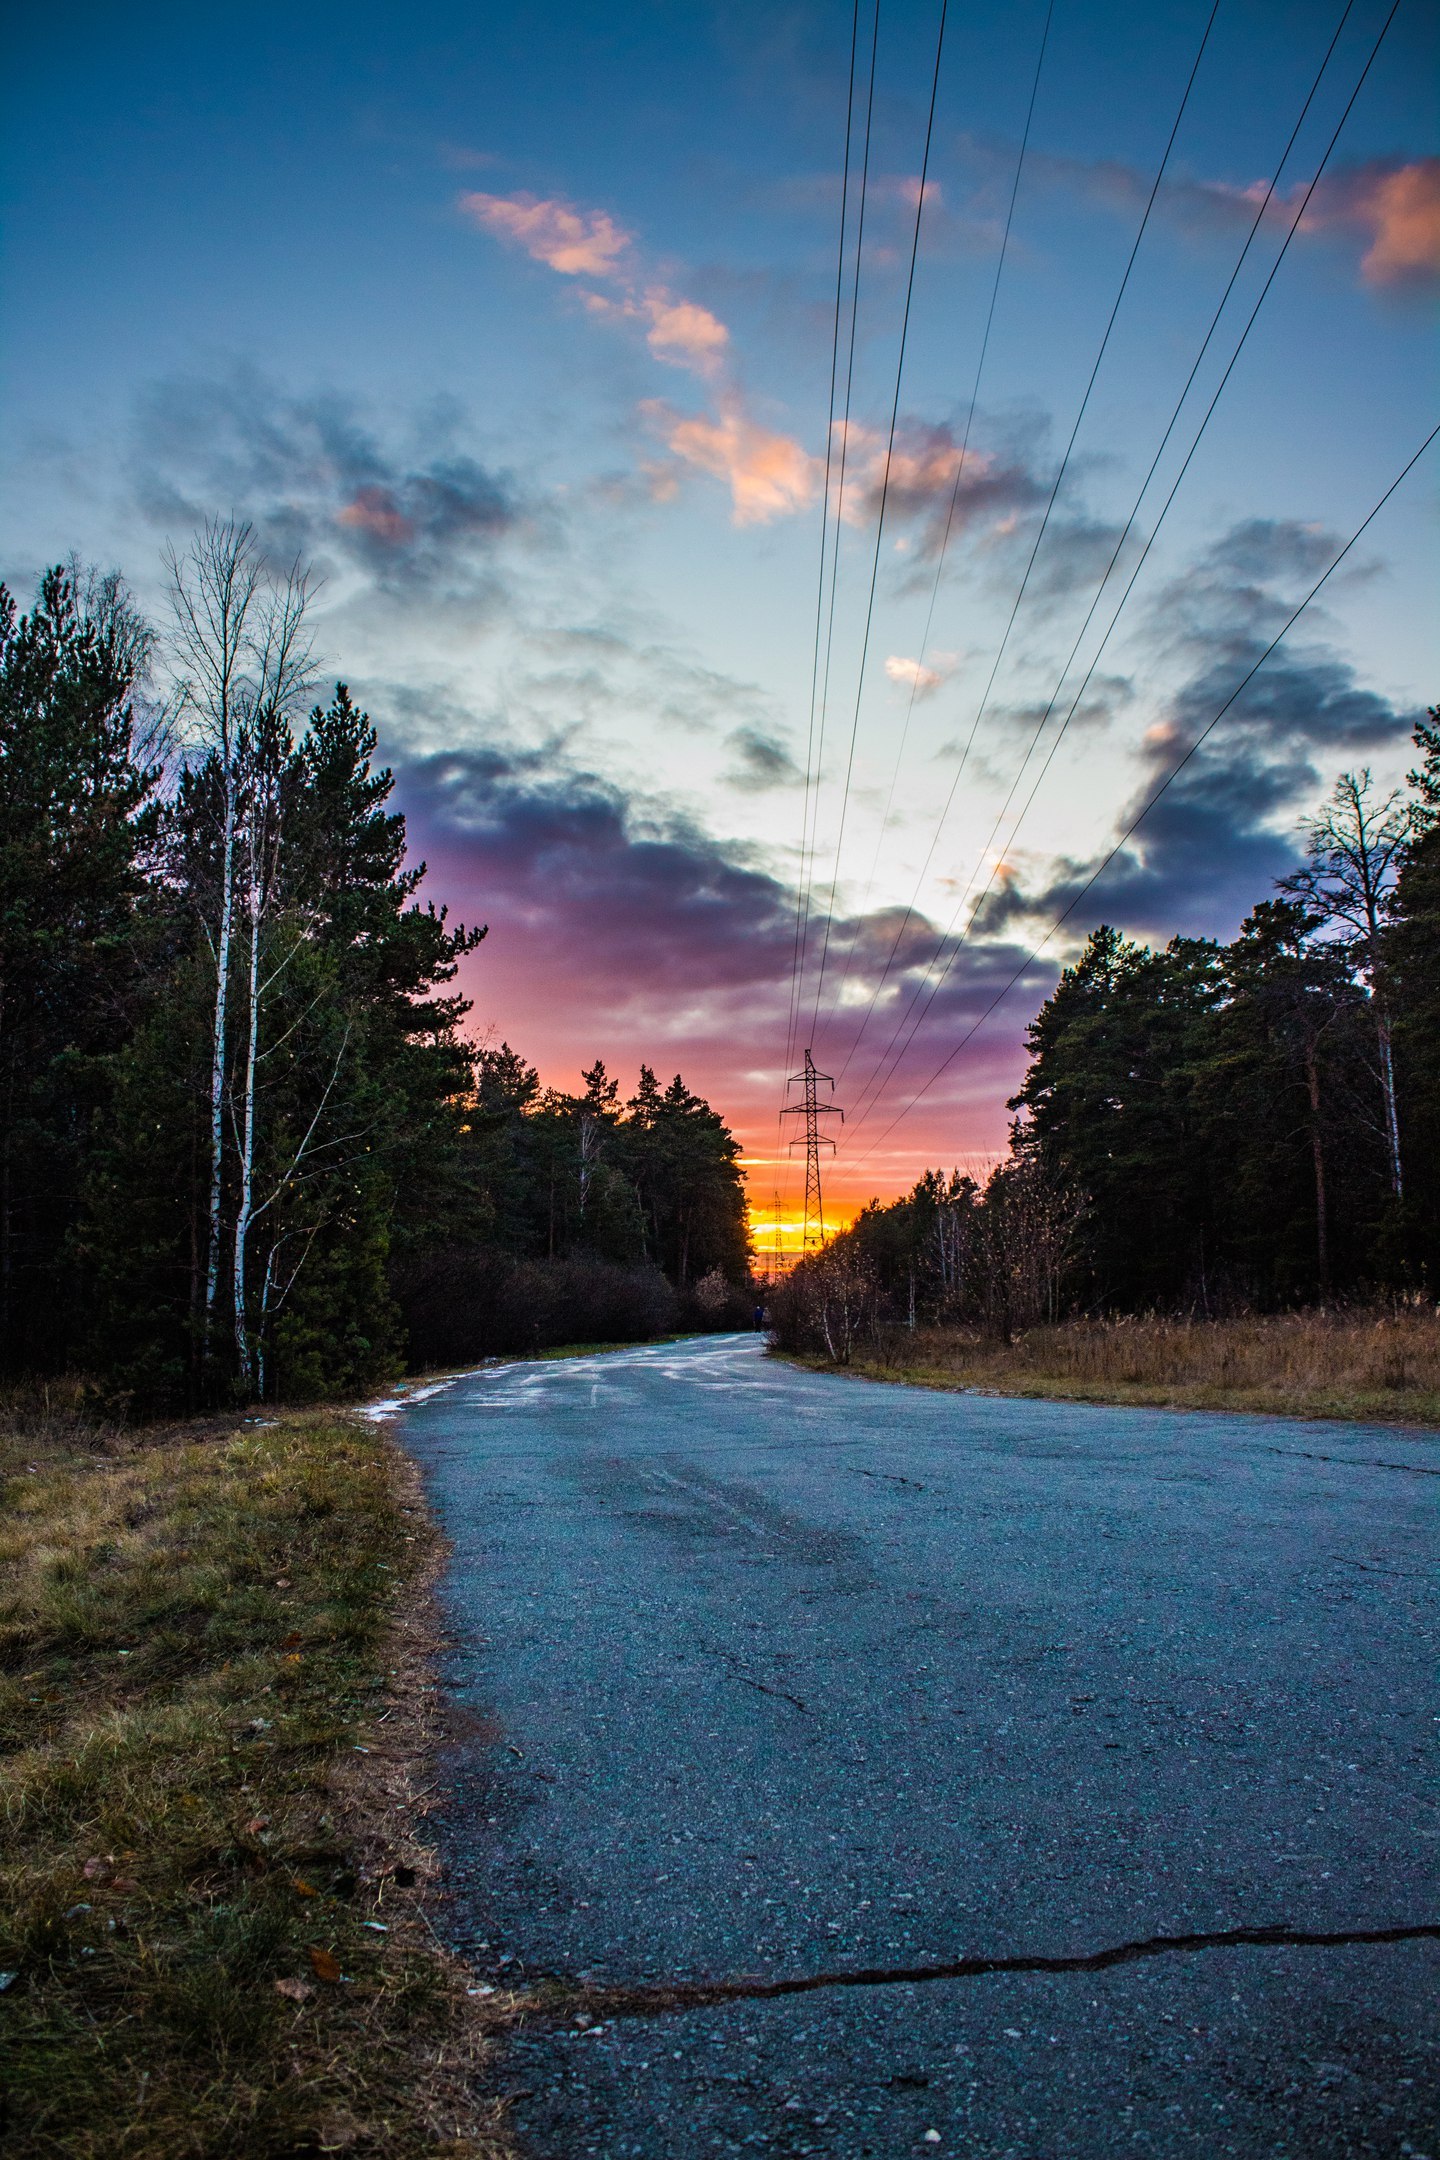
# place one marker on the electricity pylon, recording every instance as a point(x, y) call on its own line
point(812, 1110)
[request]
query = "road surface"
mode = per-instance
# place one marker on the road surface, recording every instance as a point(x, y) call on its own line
point(778, 1675)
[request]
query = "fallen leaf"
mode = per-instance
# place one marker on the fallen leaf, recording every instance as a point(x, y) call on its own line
point(302, 1888)
point(324, 1964)
point(291, 1641)
point(256, 1824)
point(97, 1869)
point(294, 1990)
point(123, 1882)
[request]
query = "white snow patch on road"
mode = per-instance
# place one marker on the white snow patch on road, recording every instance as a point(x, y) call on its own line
point(392, 1405)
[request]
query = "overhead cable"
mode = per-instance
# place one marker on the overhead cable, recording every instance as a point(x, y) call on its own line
point(1170, 778)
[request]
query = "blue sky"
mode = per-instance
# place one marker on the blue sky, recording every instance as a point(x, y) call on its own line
point(520, 325)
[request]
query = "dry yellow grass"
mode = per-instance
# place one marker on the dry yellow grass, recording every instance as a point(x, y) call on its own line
point(1372, 1366)
point(211, 1850)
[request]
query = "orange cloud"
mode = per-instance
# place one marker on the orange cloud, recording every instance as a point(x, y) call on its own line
point(577, 243)
point(1403, 211)
point(376, 512)
point(1395, 207)
point(768, 475)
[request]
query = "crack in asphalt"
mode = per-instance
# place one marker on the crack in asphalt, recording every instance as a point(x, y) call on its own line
point(662, 1998)
point(1356, 1462)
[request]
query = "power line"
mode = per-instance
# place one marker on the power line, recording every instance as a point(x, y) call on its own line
point(1169, 780)
point(1054, 494)
point(950, 513)
point(884, 492)
point(825, 498)
point(815, 746)
point(813, 794)
point(876, 1080)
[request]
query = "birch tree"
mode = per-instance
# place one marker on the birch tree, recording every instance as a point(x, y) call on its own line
point(241, 660)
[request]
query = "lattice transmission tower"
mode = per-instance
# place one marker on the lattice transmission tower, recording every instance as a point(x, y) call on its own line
point(812, 1110)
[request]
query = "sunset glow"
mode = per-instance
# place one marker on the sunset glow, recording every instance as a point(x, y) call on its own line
point(749, 713)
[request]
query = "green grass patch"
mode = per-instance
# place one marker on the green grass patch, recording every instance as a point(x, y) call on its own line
point(208, 1951)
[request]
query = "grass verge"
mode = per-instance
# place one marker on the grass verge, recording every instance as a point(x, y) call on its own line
point(1372, 1367)
point(213, 1689)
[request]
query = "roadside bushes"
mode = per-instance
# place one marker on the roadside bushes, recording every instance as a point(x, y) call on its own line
point(829, 1304)
point(716, 1306)
point(463, 1303)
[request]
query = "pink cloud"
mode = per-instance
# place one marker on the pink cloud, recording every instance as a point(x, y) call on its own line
point(1401, 210)
point(908, 188)
point(768, 475)
point(914, 674)
point(684, 332)
point(577, 243)
point(375, 511)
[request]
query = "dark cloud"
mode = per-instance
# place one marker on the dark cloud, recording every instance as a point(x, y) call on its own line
point(622, 915)
point(1226, 827)
point(992, 482)
point(317, 478)
point(761, 763)
point(605, 885)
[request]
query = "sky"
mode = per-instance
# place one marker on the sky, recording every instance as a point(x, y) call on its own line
point(770, 674)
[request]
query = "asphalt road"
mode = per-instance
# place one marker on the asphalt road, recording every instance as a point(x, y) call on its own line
point(782, 1675)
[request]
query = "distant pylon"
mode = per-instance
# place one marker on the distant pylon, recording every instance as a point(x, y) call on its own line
point(812, 1110)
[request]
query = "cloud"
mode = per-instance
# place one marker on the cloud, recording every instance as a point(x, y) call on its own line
point(577, 243)
point(761, 763)
point(318, 477)
point(682, 331)
point(1398, 207)
point(769, 475)
point(585, 881)
point(925, 463)
point(1226, 827)
point(1392, 205)
point(920, 679)
point(618, 926)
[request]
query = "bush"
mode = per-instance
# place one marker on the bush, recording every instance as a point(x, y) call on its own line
point(470, 1302)
point(716, 1306)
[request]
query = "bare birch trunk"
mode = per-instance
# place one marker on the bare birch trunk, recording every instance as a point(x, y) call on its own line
point(217, 1059)
point(243, 1349)
point(1387, 1089)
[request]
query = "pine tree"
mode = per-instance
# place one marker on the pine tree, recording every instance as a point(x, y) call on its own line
point(76, 822)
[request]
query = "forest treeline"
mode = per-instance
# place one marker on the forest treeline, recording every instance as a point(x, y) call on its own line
point(1205, 1128)
point(247, 1150)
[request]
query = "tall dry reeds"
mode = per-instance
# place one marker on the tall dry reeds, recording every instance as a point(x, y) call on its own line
point(1376, 1363)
